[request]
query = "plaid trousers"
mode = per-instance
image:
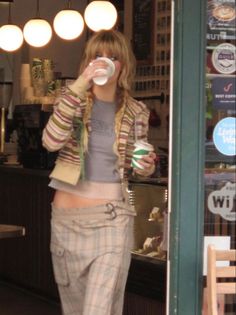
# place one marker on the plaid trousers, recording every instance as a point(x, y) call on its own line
point(91, 252)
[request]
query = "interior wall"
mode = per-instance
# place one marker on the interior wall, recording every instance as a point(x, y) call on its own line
point(65, 54)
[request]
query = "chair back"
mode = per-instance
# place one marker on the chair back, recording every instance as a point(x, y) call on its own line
point(220, 279)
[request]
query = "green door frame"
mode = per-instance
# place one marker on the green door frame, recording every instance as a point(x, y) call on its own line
point(187, 165)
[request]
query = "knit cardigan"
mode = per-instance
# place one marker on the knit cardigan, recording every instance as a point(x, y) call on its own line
point(66, 123)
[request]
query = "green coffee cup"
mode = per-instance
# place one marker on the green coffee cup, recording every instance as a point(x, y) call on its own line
point(141, 148)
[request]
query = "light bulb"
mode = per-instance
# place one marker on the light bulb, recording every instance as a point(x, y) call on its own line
point(11, 37)
point(100, 15)
point(68, 24)
point(37, 32)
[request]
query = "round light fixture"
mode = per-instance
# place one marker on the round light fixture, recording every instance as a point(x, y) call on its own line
point(11, 37)
point(100, 15)
point(37, 32)
point(68, 24)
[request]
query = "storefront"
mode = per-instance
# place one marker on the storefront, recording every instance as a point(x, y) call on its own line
point(203, 172)
point(194, 122)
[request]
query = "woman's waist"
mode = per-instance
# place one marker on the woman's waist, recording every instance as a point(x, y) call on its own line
point(104, 211)
point(64, 199)
point(88, 192)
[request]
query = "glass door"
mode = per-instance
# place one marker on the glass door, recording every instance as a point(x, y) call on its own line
point(220, 150)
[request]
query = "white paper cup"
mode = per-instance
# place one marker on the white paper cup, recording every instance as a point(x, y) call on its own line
point(25, 72)
point(141, 149)
point(105, 73)
point(28, 93)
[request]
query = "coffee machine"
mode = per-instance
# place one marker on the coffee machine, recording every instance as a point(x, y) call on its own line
point(29, 121)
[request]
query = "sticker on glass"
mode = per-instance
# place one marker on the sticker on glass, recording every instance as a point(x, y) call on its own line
point(224, 136)
point(224, 58)
point(222, 202)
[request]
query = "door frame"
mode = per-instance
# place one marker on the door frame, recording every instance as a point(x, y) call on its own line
point(186, 188)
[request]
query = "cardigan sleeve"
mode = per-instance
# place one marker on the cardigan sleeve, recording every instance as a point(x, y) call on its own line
point(60, 124)
point(141, 125)
point(141, 133)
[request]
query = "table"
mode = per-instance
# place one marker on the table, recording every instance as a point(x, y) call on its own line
point(9, 231)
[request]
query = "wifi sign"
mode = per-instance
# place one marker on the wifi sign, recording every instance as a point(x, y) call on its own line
point(222, 202)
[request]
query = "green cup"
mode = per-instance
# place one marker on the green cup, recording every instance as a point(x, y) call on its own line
point(141, 148)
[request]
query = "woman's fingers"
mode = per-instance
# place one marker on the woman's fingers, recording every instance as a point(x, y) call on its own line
point(93, 69)
point(147, 161)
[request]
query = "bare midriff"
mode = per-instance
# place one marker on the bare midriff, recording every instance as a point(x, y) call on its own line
point(63, 199)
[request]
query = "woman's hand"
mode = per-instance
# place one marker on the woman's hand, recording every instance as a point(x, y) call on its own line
point(94, 69)
point(84, 81)
point(148, 163)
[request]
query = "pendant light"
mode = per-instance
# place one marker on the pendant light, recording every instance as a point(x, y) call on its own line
point(37, 31)
point(100, 15)
point(11, 36)
point(68, 23)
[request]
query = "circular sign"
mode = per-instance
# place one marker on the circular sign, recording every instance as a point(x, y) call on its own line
point(224, 136)
point(224, 58)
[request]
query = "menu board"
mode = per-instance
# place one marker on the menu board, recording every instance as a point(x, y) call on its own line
point(143, 40)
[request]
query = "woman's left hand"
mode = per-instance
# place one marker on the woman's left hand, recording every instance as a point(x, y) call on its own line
point(148, 162)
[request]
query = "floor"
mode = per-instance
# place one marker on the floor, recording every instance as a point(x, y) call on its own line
point(14, 301)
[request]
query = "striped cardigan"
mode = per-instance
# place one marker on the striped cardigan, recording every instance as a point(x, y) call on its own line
point(64, 126)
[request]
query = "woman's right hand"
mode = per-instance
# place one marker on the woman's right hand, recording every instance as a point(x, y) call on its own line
point(93, 70)
point(84, 81)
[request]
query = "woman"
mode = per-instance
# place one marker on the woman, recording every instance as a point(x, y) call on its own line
point(94, 128)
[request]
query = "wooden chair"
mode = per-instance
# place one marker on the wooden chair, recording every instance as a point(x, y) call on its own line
point(220, 280)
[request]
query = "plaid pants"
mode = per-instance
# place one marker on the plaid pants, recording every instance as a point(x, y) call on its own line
point(91, 251)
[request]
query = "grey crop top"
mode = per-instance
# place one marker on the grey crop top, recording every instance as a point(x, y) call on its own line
point(100, 159)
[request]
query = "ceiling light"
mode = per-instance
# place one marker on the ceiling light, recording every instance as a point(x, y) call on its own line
point(68, 23)
point(100, 15)
point(37, 31)
point(11, 36)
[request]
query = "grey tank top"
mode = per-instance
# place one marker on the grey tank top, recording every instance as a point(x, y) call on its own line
point(100, 159)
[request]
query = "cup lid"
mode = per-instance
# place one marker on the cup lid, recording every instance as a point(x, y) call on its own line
point(141, 144)
point(101, 80)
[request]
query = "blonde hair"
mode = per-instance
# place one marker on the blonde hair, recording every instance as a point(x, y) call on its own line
point(116, 44)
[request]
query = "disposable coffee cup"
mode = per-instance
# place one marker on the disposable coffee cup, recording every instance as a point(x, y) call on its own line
point(105, 73)
point(141, 148)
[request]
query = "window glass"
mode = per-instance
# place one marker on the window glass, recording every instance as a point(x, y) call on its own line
point(220, 208)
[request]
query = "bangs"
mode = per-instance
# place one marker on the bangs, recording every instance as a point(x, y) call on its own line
point(107, 44)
